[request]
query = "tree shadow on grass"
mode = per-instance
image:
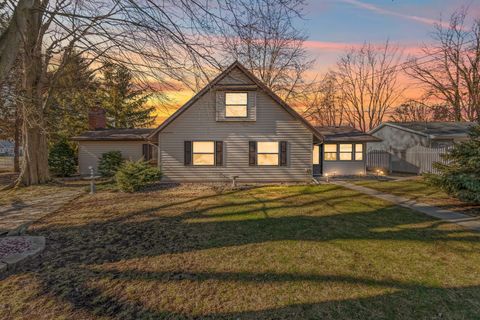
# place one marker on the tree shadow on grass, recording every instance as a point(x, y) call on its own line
point(64, 270)
point(403, 301)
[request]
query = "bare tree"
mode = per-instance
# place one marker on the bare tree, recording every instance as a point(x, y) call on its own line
point(421, 110)
point(325, 105)
point(452, 72)
point(412, 110)
point(157, 41)
point(10, 109)
point(263, 37)
point(368, 80)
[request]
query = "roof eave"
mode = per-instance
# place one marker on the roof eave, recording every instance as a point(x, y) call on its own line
point(397, 127)
point(109, 139)
point(449, 136)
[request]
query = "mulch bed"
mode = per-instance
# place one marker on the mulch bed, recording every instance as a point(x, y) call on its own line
point(9, 246)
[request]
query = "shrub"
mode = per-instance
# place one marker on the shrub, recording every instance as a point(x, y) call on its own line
point(460, 177)
point(109, 163)
point(135, 175)
point(61, 159)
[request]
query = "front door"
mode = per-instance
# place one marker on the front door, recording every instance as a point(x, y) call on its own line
point(317, 160)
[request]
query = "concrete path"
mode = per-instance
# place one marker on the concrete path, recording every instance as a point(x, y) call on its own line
point(468, 222)
point(15, 217)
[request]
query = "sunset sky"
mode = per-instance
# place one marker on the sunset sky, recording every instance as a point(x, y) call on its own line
point(334, 26)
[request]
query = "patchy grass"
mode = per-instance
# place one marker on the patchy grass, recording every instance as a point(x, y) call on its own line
point(419, 190)
point(24, 194)
point(285, 252)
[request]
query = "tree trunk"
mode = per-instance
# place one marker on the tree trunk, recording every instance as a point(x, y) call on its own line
point(35, 160)
point(35, 163)
point(16, 139)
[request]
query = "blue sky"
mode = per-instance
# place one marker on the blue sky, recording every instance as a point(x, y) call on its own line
point(333, 25)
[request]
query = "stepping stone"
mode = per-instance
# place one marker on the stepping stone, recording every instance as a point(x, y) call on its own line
point(14, 259)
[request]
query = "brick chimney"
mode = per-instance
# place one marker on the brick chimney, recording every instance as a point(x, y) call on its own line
point(97, 119)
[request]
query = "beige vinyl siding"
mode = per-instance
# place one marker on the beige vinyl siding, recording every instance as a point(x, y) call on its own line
point(236, 76)
point(89, 152)
point(346, 167)
point(272, 123)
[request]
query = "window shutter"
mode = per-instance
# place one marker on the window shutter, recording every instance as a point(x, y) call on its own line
point(188, 153)
point(283, 153)
point(252, 105)
point(219, 153)
point(252, 153)
point(220, 105)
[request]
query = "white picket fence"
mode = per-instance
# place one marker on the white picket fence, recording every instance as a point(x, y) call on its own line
point(378, 159)
point(424, 158)
point(417, 160)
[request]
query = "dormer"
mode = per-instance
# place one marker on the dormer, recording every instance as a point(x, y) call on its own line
point(236, 103)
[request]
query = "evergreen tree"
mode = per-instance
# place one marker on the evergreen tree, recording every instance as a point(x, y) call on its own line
point(61, 159)
point(74, 92)
point(461, 176)
point(123, 101)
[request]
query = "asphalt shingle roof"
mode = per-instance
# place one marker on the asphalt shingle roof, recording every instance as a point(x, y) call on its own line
point(437, 128)
point(114, 135)
point(344, 134)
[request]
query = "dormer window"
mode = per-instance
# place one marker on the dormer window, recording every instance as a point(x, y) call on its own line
point(236, 104)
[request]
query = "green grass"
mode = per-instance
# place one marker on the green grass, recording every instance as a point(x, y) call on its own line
point(285, 252)
point(419, 190)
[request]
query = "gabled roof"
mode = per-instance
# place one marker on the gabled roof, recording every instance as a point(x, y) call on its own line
point(114, 135)
point(252, 77)
point(345, 133)
point(433, 130)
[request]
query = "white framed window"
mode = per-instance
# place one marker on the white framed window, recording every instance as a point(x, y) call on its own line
point(358, 151)
point(203, 153)
point(346, 150)
point(267, 153)
point(330, 152)
point(236, 104)
point(316, 154)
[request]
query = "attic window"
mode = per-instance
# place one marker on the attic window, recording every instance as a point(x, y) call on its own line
point(236, 104)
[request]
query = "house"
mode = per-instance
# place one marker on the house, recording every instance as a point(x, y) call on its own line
point(235, 127)
point(343, 151)
point(92, 144)
point(6, 148)
point(414, 146)
point(404, 135)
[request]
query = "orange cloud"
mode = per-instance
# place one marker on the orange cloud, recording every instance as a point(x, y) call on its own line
point(335, 47)
point(330, 46)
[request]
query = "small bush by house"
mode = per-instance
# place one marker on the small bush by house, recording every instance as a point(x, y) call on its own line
point(135, 175)
point(61, 159)
point(109, 163)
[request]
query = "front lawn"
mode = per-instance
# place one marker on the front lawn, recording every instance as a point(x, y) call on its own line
point(419, 190)
point(297, 252)
point(21, 195)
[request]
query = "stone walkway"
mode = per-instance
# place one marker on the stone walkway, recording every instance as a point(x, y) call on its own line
point(16, 217)
point(468, 222)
